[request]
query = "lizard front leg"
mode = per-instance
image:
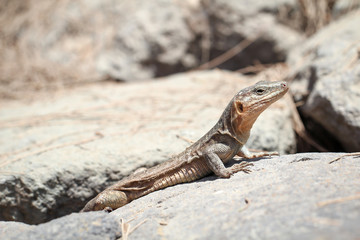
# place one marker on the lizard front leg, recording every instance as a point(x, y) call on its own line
point(217, 166)
point(245, 153)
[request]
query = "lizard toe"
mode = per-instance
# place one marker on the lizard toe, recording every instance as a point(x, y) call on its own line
point(243, 167)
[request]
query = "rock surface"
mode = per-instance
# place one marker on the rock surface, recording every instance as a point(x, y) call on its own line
point(288, 197)
point(96, 225)
point(58, 152)
point(233, 21)
point(327, 76)
point(143, 46)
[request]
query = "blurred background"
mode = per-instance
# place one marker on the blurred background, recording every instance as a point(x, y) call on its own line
point(47, 45)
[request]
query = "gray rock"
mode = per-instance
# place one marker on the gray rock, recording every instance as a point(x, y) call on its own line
point(96, 225)
point(143, 46)
point(334, 103)
point(233, 21)
point(326, 71)
point(286, 197)
point(58, 152)
point(342, 7)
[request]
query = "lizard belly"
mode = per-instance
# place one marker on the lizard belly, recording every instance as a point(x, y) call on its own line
point(187, 173)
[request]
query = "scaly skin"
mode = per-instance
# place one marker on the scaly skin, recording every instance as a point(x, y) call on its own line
point(225, 140)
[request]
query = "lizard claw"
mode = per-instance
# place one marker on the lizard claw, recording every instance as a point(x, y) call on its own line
point(243, 166)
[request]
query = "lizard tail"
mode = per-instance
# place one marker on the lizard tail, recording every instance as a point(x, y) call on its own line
point(112, 199)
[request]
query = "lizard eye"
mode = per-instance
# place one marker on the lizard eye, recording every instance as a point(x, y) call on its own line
point(259, 91)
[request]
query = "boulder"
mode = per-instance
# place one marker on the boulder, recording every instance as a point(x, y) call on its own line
point(150, 39)
point(234, 21)
point(59, 151)
point(96, 225)
point(288, 197)
point(326, 74)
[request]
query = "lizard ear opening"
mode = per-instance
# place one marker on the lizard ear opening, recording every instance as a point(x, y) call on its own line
point(239, 107)
point(237, 116)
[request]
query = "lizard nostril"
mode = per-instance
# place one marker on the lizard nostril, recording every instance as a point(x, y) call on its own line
point(283, 85)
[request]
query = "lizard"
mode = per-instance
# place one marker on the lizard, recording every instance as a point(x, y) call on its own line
point(207, 155)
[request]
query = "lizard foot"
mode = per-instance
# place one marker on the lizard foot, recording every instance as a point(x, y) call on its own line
point(264, 154)
point(271, 153)
point(243, 166)
point(261, 154)
point(245, 153)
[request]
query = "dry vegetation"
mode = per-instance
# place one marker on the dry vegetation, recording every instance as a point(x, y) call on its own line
point(315, 14)
point(25, 67)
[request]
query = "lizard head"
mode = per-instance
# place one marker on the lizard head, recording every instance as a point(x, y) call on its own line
point(250, 102)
